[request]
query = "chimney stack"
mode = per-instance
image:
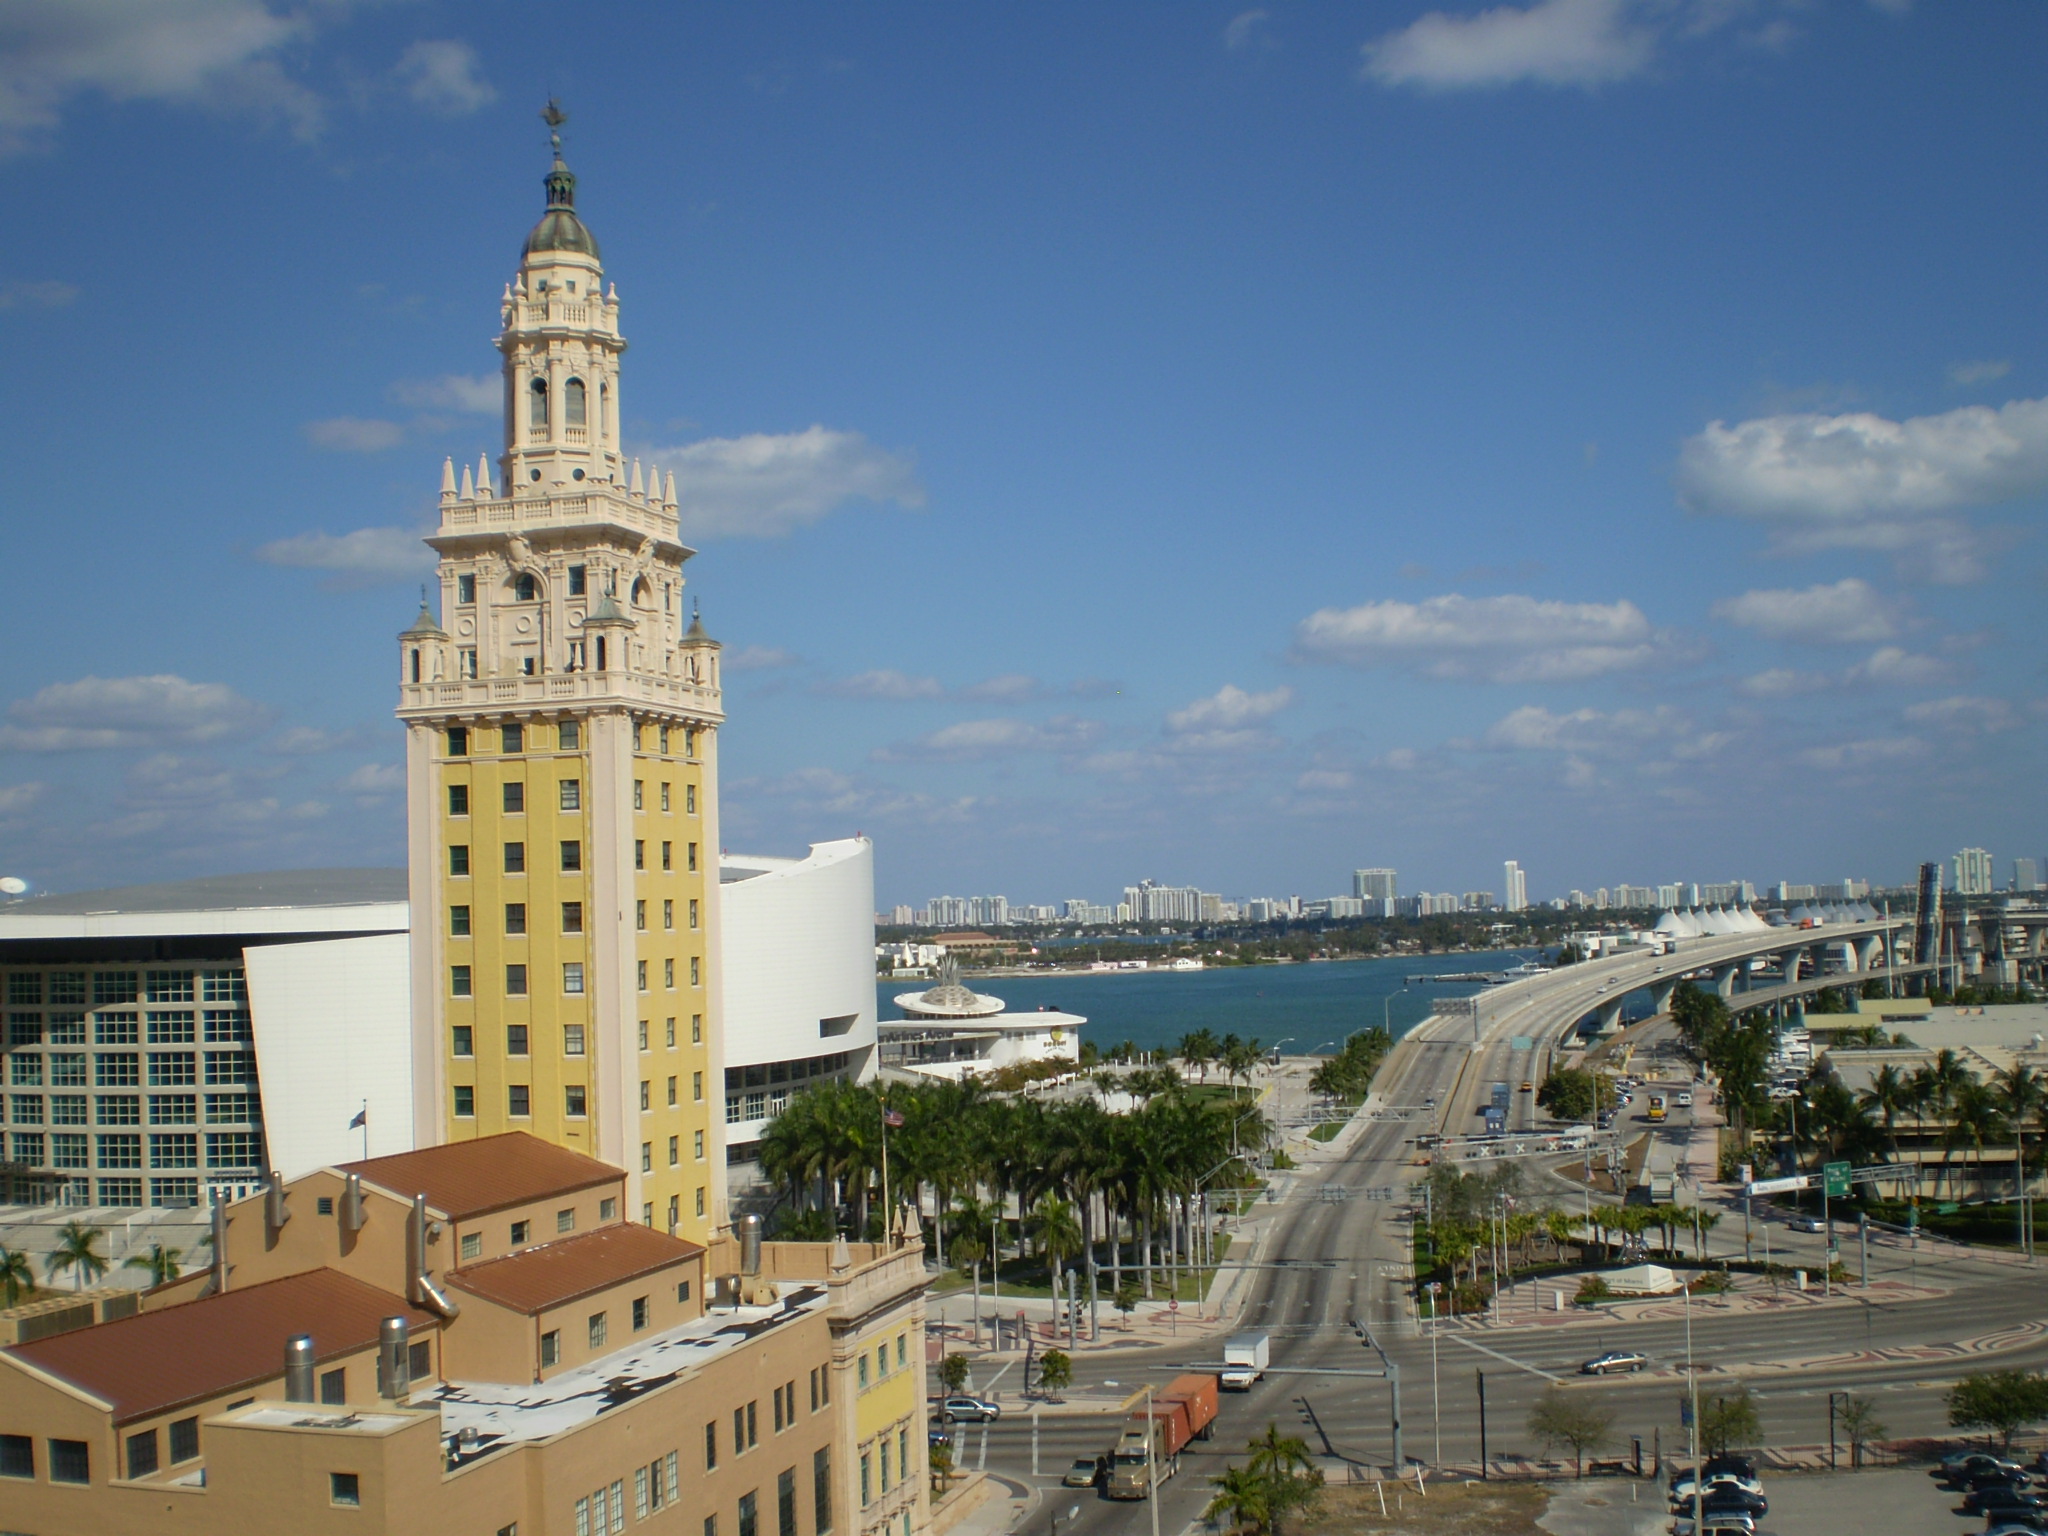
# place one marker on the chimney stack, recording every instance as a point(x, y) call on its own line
point(298, 1369)
point(394, 1360)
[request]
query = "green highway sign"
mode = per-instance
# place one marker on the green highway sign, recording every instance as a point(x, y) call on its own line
point(1837, 1176)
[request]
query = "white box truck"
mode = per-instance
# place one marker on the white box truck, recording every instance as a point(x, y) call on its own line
point(1245, 1358)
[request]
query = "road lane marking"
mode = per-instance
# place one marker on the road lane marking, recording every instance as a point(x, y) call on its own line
point(1520, 1365)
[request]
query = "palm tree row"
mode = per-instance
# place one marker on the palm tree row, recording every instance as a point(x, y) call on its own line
point(986, 1172)
point(1943, 1099)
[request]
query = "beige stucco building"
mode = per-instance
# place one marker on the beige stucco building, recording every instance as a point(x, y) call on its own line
point(487, 1344)
point(562, 719)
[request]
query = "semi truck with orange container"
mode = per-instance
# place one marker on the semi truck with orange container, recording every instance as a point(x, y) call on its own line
point(1185, 1411)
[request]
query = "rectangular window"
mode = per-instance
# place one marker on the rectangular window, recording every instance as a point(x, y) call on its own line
point(639, 853)
point(711, 1446)
point(668, 914)
point(465, 589)
point(463, 1041)
point(690, 799)
point(885, 1463)
point(175, 1150)
point(821, 1489)
point(67, 1070)
point(693, 858)
point(572, 980)
point(668, 855)
point(750, 1516)
point(515, 799)
point(118, 1109)
point(113, 988)
point(640, 915)
point(228, 1026)
point(599, 1327)
point(25, 989)
point(169, 987)
point(176, 1109)
point(668, 974)
point(785, 1503)
point(28, 1108)
point(458, 741)
point(70, 1461)
point(515, 918)
point(551, 1347)
point(572, 917)
point(693, 912)
point(696, 1087)
point(697, 1140)
point(700, 1199)
point(576, 587)
point(458, 922)
point(573, 1101)
point(518, 1100)
point(867, 1479)
point(67, 1028)
point(572, 1039)
point(344, 1488)
point(640, 974)
point(120, 1192)
point(184, 1439)
point(230, 1108)
point(142, 1453)
point(419, 1362)
point(641, 1313)
point(28, 1148)
point(860, 1372)
point(515, 981)
point(640, 1491)
point(70, 1151)
point(569, 735)
point(232, 1149)
point(465, 1102)
point(572, 857)
point(512, 738)
point(458, 981)
point(902, 1350)
point(118, 1069)
point(520, 1229)
point(458, 858)
point(696, 971)
point(690, 741)
point(515, 858)
point(224, 1068)
point(515, 1039)
point(458, 799)
point(25, 1029)
point(116, 1029)
point(647, 1157)
point(571, 794)
point(639, 795)
point(472, 1245)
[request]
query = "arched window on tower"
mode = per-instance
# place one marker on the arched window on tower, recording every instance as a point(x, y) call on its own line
point(572, 403)
point(539, 418)
point(525, 589)
point(604, 412)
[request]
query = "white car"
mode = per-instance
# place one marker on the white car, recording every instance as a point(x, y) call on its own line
point(1684, 1101)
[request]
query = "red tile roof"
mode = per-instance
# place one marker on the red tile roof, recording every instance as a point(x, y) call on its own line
point(473, 1178)
point(553, 1273)
point(157, 1361)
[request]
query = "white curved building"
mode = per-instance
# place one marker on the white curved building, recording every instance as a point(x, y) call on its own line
point(953, 1032)
point(798, 956)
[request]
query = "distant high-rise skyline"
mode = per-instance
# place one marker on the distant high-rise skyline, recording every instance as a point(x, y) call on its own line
point(1375, 884)
point(1516, 894)
point(1973, 872)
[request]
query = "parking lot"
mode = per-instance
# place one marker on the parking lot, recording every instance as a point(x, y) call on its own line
point(1905, 1502)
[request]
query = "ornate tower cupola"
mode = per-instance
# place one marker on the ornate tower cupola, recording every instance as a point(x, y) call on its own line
point(561, 344)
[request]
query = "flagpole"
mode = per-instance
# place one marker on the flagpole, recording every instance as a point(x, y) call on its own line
point(887, 1214)
point(366, 1130)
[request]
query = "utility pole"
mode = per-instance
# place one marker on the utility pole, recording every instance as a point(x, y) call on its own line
point(1481, 1375)
point(1151, 1461)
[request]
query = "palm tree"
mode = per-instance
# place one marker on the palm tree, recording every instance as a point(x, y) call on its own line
point(1057, 1234)
point(1977, 1120)
point(2022, 1095)
point(163, 1264)
point(78, 1251)
point(1275, 1455)
point(1889, 1093)
point(17, 1279)
point(1244, 1498)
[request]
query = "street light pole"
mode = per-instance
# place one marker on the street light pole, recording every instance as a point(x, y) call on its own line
point(1436, 1402)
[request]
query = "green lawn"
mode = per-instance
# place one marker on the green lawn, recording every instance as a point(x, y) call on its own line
point(1328, 1130)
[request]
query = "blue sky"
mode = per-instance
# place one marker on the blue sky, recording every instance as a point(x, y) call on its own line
point(1226, 445)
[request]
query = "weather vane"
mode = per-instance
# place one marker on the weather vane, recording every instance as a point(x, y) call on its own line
point(553, 115)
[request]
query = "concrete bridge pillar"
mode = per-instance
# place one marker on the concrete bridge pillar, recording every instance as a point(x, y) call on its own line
point(1792, 959)
point(1724, 979)
point(1660, 995)
point(1610, 1018)
point(1870, 956)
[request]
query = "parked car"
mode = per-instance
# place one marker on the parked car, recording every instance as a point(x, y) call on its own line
point(1085, 1472)
point(1716, 1525)
point(1995, 1498)
point(1960, 1466)
point(934, 1438)
point(1727, 1499)
point(1807, 1224)
point(1681, 1485)
point(1986, 1476)
point(1684, 1101)
point(969, 1410)
point(1614, 1362)
point(1740, 1466)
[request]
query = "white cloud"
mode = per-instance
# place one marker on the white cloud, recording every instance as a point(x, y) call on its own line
point(375, 779)
point(1326, 780)
point(1248, 29)
point(354, 434)
point(1981, 371)
point(480, 394)
point(971, 740)
point(15, 798)
point(364, 558)
point(101, 712)
point(220, 55)
point(1868, 753)
point(884, 683)
point(1229, 708)
point(761, 658)
point(766, 484)
point(1890, 667)
point(1783, 683)
point(1963, 713)
point(1553, 42)
point(309, 741)
point(444, 77)
point(1860, 481)
point(47, 294)
point(1507, 639)
point(1844, 611)
point(1010, 688)
point(1592, 732)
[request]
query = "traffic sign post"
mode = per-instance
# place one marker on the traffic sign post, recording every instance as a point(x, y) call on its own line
point(1834, 1185)
point(1837, 1180)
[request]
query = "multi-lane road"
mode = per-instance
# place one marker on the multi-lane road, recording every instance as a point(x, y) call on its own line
point(1340, 1259)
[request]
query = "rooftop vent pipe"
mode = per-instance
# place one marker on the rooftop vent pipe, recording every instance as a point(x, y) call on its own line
point(352, 1203)
point(220, 1241)
point(275, 1212)
point(419, 1287)
point(394, 1364)
point(750, 1245)
point(298, 1368)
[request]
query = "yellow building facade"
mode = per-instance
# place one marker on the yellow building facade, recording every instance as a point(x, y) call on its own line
point(562, 718)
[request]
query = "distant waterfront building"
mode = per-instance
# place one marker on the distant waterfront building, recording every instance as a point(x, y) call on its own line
point(1577, 898)
point(1516, 886)
point(1153, 903)
point(2026, 875)
point(1973, 872)
point(1601, 899)
point(952, 1032)
point(946, 912)
point(1635, 897)
point(988, 911)
point(1376, 884)
point(1344, 906)
point(901, 916)
point(1785, 891)
point(1090, 914)
point(1263, 909)
point(1477, 901)
point(1672, 896)
point(1842, 890)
